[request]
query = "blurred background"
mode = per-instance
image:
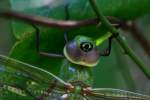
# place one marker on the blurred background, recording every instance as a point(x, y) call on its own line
point(115, 71)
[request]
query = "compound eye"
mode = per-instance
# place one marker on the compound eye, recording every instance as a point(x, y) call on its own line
point(86, 46)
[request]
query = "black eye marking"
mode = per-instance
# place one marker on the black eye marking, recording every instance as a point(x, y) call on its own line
point(86, 46)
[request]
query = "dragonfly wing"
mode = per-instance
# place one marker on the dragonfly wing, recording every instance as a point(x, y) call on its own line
point(116, 94)
point(25, 76)
point(13, 84)
point(34, 72)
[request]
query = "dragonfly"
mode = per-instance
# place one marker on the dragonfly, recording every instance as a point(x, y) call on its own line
point(75, 78)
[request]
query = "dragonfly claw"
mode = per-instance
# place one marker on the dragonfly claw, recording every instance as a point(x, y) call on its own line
point(69, 87)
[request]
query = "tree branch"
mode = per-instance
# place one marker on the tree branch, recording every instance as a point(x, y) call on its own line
point(53, 22)
point(120, 40)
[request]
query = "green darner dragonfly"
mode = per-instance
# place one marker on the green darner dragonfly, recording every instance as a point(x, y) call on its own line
point(82, 55)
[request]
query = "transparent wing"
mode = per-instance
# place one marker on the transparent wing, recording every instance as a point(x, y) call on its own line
point(116, 94)
point(19, 76)
point(34, 72)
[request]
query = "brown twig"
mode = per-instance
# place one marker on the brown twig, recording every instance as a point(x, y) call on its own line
point(53, 22)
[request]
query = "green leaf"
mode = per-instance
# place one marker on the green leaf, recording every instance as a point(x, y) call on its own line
point(126, 10)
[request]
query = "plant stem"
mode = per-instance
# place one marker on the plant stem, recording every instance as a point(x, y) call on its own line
point(120, 40)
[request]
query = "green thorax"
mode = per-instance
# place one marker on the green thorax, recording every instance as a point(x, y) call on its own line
point(81, 54)
point(76, 74)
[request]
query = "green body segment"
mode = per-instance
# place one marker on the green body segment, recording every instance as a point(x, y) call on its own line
point(76, 74)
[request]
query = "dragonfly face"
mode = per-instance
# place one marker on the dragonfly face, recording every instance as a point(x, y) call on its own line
point(82, 51)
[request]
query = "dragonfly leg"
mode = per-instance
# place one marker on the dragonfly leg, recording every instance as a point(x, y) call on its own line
point(37, 31)
point(66, 18)
point(106, 52)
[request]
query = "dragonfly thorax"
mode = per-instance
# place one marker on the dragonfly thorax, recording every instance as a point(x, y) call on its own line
point(82, 51)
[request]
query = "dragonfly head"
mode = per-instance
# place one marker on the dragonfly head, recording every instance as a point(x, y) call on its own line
point(82, 50)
